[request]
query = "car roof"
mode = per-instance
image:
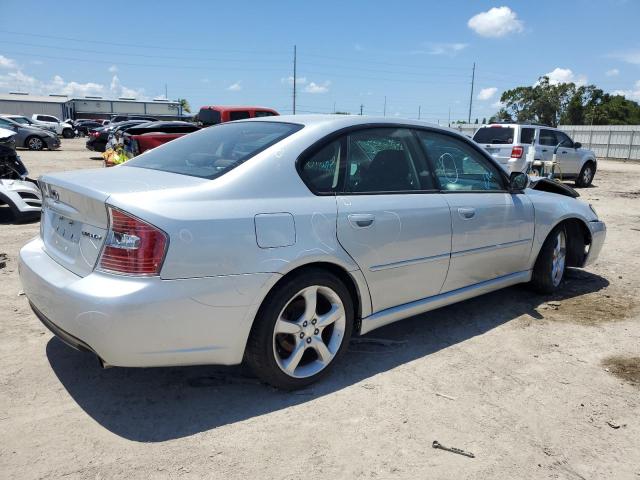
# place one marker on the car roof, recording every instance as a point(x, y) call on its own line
point(344, 121)
point(236, 107)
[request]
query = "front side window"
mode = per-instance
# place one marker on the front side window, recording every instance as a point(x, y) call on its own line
point(548, 137)
point(458, 166)
point(241, 115)
point(564, 140)
point(212, 152)
point(385, 160)
point(262, 113)
point(321, 171)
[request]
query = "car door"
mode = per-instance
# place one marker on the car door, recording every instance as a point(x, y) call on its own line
point(492, 229)
point(48, 121)
point(391, 219)
point(567, 156)
point(548, 142)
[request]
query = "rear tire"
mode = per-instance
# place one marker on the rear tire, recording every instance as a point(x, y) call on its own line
point(586, 175)
point(301, 330)
point(34, 143)
point(550, 266)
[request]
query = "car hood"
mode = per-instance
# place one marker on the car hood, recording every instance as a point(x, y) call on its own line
point(6, 133)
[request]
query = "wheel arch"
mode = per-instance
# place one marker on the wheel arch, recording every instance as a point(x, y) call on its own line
point(578, 240)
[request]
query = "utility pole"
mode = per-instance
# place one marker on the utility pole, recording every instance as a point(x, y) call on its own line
point(449, 117)
point(294, 79)
point(473, 79)
point(384, 111)
point(165, 92)
point(334, 108)
point(361, 107)
point(419, 108)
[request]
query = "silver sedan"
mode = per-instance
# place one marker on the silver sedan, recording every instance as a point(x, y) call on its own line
point(273, 241)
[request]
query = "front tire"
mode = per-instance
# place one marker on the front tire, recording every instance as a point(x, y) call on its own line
point(549, 269)
point(34, 143)
point(301, 330)
point(587, 173)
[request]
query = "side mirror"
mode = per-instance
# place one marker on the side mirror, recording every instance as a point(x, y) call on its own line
point(577, 145)
point(518, 181)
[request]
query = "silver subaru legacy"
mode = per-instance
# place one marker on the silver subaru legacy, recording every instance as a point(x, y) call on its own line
point(273, 241)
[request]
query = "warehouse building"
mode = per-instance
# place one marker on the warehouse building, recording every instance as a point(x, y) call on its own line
point(64, 107)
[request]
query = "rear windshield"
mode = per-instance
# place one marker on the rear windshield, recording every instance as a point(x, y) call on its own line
point(209, 117)
point(214, 151)
point(494, 135)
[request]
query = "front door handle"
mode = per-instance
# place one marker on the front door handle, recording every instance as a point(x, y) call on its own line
point(361, 220)
point(467, 213)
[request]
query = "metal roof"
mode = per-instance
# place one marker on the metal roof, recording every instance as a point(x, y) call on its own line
point(33, 98)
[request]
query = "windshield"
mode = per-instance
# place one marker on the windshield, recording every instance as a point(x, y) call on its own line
point(494, 135)
point(214, 151)
point(21, 120)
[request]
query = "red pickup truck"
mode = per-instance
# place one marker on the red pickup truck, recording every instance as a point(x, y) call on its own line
point(214, 114)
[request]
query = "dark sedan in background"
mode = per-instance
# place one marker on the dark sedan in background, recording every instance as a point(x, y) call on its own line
point(99, 137)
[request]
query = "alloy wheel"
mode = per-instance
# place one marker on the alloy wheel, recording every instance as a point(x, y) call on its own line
point(586, 175)
point(35, 143)
point(309, 331)
point(558, 259)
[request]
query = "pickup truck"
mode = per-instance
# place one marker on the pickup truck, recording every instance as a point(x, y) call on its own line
point(54, 124)
point(214, 114)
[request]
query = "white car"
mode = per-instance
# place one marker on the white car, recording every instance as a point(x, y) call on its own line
point(508, 143)
point(272, 240)
point(54, 124)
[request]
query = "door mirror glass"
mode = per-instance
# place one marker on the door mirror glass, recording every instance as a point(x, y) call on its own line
point(518, 181)
point(577, 145)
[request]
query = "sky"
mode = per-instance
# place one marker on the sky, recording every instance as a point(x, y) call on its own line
point(416, 54)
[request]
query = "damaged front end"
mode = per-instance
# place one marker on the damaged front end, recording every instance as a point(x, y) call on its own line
point(17, 191)
point(552, 186)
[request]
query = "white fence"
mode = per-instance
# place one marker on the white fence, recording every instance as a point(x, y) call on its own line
point(607, 141)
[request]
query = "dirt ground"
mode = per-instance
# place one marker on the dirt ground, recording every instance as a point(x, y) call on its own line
point(536, 387)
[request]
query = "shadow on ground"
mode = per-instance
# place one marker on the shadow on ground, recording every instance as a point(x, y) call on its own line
point(157, 404)
point(7, 217)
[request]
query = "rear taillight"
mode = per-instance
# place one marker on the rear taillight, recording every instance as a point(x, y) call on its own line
point(132, 246)
point(516, 152)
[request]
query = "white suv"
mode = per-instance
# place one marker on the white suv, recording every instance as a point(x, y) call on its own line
point(508, 143)
point(54, 124)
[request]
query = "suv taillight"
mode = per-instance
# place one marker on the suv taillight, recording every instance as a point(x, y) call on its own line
point(516, 152)
point(132, 246)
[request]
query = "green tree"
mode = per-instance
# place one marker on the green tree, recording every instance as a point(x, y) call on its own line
point(184, 103)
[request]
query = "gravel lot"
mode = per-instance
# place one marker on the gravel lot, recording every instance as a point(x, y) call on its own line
point(535, 387)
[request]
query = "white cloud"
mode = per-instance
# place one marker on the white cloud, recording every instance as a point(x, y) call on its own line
point(631, 94)
point(614, 72)
point(289, 80)
point(497, 104)
point(20, 81)
point(118, 90)
point(314, 87)
point(235, 87)
point(496, 22)
point(6, 62)
point(113, 68)
point(487, 93)
point(74, 89)
point(565, 75)
point(449, 49)
point(630, 56)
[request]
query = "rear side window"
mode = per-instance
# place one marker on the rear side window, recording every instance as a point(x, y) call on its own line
point(494, 135)
point(385, 160)
point(45, 118)
point(548, 137)
point(241, 115)
point(526, 135)
point(262, 113)
point(212, 152)
point(321, 170)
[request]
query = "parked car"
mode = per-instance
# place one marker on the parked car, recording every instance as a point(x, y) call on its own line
point(61, 128)
point(215, 114)
point(17, 192)
point(82, 127)
point(126, 118)
point(28, 122)
point(274, 240)
point(139, 139)
point(99, 137)
point(33, 138)
point(508, 144)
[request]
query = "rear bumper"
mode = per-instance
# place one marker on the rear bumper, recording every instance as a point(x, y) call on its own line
point(52, 142)
point(598, 231)
point(143, 322)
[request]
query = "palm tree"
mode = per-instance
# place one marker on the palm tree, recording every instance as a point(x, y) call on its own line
point(184, 104)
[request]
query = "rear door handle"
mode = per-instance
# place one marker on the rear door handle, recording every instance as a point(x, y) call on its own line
point(361, 220)
point(467, 213)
